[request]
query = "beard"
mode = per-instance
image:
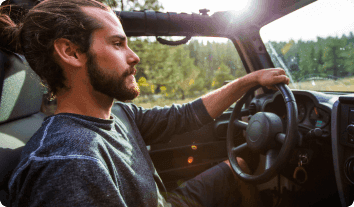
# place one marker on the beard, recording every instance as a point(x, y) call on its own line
point(111, 85)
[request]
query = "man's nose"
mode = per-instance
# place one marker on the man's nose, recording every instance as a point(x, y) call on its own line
point(133, 57)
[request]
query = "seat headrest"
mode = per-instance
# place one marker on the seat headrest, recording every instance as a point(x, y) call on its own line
point(21, 92)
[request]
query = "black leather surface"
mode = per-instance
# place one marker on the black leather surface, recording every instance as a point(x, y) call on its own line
point(21, 94)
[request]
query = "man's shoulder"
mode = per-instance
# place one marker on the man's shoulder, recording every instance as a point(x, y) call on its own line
point(63, 136)
point(62, 141)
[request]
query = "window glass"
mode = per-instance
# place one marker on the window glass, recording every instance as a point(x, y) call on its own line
point(179, 74)
point(315, 45)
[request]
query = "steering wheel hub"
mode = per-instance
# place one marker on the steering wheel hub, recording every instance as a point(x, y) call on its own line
point(255, 131)
point(261, 131)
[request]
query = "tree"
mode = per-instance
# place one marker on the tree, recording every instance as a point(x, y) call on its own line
point(304, 52)
point(320, 59)
point(348, 55)
point(333, 61)
point(181, 72)
point(164, 69)
point(312, 61)
point(129, 5)
point(222, 74)
point(153, 59)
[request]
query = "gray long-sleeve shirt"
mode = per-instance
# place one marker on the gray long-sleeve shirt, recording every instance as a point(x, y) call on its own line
point(75, 160)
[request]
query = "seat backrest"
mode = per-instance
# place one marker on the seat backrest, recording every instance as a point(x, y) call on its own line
point(20, 116)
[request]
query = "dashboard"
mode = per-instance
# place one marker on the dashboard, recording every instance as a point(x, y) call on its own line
point(314, 110)
point(330, 151)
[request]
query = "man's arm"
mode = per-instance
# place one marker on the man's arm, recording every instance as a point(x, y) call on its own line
point(219, 100)
point(157, 125)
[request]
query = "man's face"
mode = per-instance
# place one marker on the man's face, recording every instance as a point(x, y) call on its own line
point(112, 85)
point(110, 62)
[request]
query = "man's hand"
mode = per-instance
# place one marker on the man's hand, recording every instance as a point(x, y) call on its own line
point(219, 100)
point(270, 77)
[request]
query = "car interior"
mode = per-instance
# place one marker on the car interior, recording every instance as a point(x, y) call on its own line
point(298, 143)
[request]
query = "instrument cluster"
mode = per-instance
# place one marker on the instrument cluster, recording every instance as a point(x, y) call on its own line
point(310, 114)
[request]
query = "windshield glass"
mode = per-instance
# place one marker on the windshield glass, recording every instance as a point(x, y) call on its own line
point(315, 45)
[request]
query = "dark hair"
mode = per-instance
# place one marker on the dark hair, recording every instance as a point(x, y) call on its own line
point(41, 26)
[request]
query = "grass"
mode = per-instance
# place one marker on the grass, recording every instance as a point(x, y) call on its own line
point(159, 102)
point(340, 85)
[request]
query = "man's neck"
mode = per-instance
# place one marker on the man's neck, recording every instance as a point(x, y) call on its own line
point(85, 102)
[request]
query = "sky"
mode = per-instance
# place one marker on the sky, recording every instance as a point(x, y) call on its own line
point(326, 17)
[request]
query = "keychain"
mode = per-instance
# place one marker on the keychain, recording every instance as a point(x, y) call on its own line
point(300, 173)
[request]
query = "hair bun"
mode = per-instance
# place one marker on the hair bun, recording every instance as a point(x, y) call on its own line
point(9, 35)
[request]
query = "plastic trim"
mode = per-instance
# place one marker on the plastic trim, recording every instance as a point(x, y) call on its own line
point(335, 152)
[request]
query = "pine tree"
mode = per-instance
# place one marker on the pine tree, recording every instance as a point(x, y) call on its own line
point(333, 61)
point(130, 5)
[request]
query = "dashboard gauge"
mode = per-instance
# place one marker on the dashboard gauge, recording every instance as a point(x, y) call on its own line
point(301, 112)
point(319, 118)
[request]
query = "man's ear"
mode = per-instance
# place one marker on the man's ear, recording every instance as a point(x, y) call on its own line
point(68, 53)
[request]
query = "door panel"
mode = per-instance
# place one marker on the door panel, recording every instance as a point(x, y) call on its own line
point(206, 146)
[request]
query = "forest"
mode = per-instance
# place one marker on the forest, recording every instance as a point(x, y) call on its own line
point(178, 72)
point(328, 58)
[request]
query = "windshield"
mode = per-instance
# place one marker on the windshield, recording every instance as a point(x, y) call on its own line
point(315, 45)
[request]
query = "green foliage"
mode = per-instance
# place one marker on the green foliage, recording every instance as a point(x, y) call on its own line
point(186, 70)
point(211, 55)
point(330, 57)
point(333, 59)
point(130, 5)
point(153, 58)
point(348, 56)
point(222, 74)
point(110, 3)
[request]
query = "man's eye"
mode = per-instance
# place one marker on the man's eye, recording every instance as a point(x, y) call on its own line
point(118, 44)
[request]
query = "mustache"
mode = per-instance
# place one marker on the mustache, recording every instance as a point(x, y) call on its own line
point(130, 71)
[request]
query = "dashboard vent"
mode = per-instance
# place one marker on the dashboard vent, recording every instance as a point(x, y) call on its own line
point(252, 108)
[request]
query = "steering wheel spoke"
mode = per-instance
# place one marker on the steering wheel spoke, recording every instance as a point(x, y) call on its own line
point(240, 124)
point(271, 157)
point(239, 149)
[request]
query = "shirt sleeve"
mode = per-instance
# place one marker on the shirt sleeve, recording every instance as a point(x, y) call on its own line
point(160, 123)
point(65, 182)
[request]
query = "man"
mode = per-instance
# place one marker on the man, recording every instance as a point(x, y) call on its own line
point(86, 156)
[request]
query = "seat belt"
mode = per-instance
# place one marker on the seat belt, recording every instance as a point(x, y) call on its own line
point(119, 112)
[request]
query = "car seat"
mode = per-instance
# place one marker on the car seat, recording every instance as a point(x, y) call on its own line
point(20, 116)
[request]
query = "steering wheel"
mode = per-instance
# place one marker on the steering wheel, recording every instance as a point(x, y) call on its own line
point(264, 134)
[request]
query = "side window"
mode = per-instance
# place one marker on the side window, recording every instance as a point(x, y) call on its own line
point(179, 74)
